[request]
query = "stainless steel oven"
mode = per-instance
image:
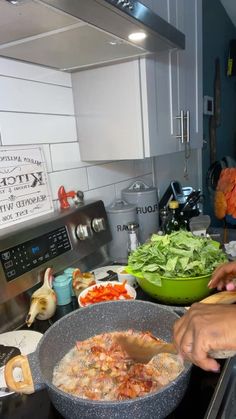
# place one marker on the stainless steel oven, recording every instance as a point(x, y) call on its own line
point(74, 238)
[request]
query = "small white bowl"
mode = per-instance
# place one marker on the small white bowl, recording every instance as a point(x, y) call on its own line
point(130, 290)
point(125, 276)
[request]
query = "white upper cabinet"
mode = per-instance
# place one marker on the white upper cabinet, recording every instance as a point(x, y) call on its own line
point(132, 110)
point(190, 70)
point(115, 111)
point(179, 82)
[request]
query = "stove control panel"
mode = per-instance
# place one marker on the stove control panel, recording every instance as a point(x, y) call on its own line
point(71, 238)
point(28, 255)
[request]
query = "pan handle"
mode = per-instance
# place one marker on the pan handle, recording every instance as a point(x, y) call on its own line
point(25, 386)
point(31, 374)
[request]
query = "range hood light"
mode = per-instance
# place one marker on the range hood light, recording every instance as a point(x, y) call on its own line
point(14, 2)
point(137, 36)
point(116, 42)
point(69, 35)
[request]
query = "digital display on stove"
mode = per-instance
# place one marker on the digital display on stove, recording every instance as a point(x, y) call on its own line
point(38, 248)
point(35, 250)
point(28, 255)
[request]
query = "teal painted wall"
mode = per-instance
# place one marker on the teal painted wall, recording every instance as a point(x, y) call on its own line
point(218, 30)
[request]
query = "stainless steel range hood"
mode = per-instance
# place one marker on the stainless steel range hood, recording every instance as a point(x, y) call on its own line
point(75, 34)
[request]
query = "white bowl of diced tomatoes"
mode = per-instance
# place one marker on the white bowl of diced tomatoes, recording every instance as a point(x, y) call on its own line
point(106, 291)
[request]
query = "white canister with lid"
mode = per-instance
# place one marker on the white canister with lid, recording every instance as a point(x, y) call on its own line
point(119, 214)
point(145, 199)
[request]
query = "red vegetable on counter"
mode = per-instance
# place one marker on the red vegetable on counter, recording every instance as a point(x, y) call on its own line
point(109, 292)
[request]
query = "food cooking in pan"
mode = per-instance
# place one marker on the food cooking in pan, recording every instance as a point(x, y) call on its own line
point(98, 368)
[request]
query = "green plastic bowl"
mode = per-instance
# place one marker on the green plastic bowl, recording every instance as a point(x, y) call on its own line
point(176, 291)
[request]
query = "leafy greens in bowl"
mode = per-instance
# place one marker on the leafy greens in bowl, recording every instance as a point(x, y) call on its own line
point(179, 254)
point(176, 268)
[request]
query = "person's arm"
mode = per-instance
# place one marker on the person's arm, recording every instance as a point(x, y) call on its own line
point(203, 328)
point(223, 277)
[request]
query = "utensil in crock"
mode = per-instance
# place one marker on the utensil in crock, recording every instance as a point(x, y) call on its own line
point(82, 324)
point(200, 224)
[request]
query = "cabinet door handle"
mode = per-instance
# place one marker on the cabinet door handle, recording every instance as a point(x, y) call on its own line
point(181, 117)
point(187, 127)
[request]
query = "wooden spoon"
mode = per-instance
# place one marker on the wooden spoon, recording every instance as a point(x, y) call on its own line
point(142, 351)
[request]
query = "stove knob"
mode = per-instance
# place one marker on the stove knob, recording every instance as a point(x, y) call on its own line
point(98, 224)
point(83, 232)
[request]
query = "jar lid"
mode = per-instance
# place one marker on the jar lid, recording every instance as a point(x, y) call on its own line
point(120, 206)
point(132, 226)
point(69, 271)
point(138, 187)
point(173, 205)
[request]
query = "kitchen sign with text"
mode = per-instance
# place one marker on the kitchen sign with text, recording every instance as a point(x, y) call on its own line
point(24, 188)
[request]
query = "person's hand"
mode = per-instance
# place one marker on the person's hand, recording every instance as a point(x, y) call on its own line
point(223, 277)
point(203, 328)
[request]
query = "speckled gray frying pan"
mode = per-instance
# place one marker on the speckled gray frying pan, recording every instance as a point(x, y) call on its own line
point(82, 324)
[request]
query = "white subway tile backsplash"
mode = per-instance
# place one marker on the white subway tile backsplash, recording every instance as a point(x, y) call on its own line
point(36, 108)
point(21, 128)
point(34, 72)
point(109, 173)
point(171, 167)
point(142, 166)
point(148, 179)
point(29, 96)
point(74, 179)
point(122, 185)
point(106, 194)
point(67, 156)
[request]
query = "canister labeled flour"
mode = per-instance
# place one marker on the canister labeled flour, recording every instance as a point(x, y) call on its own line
point(145, 200)
point(119, 214)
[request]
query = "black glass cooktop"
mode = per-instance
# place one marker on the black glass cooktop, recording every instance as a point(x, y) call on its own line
point(38, 406)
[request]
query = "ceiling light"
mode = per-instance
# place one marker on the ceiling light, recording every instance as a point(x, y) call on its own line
point(137, 36)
